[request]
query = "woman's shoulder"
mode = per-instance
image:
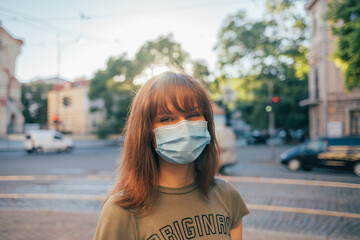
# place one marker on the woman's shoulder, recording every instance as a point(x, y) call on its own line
point(113, 208)
point(115, 221)
point(230, 195)
point(224, 186)
point(221, 182)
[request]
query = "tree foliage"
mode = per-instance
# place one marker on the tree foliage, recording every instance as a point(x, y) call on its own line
point(34, 101)
point(200, 71)
point(164, 51)
point(253, 53)
point(345, 19)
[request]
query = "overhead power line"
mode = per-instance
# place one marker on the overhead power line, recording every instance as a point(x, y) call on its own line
point(81, 13)
point(46, 26)
point(38, 21)
point(117, 14)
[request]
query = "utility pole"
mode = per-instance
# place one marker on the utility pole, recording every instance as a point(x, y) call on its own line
point(60, 48)
point(271, 120)
point(324, 65)
point(58, 63)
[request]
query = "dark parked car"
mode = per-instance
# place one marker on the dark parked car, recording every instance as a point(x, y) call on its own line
point(336, 153)
point(256, 137)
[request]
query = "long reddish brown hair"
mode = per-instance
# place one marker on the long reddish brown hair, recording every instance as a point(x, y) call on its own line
point(139, 170)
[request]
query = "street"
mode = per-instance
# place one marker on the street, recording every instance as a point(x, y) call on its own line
point(61, 194)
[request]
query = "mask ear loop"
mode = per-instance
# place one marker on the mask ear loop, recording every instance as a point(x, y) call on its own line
point(156, 155)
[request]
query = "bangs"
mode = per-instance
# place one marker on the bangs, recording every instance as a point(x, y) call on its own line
point(185, 95)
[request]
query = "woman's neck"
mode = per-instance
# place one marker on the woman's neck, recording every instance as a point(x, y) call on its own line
point(176, 175)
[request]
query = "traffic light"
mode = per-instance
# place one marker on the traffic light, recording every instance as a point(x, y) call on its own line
point(273, 104)
point(66, 101)
point(55, 119)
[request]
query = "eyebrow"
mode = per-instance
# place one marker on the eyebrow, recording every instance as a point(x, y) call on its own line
point(169, 113)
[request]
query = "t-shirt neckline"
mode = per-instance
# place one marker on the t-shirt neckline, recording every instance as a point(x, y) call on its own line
point(182, 190)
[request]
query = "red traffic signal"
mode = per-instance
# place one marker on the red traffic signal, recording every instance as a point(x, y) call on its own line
point(275, 99)
point(54, 118)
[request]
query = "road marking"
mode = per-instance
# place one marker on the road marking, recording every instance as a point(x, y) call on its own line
point(53, 196)
point(249, 205)
point(56, 177)
point(229, 178)
point(291, 181)
point(302, 210)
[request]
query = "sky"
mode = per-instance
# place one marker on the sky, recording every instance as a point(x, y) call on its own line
point(75, 38)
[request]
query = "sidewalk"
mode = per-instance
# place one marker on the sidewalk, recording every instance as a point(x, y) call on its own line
point(54, 225)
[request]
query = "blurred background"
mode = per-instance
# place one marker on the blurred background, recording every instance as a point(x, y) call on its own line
point(283, 75)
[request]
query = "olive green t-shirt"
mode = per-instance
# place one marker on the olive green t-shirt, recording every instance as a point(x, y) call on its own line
point(179, 214)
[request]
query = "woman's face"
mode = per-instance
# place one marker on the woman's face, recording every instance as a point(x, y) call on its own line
point(174, 116)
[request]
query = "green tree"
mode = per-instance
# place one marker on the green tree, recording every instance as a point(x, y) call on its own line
point(34, 101)
point(345, 22)
point(117, 83)
point(162, 51)
point(253, 53)
point(201, 71)
point(114, 85)
point(114, 80)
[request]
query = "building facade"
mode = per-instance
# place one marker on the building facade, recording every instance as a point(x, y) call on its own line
point(71, 111)
point(11, 118)
point(333, 111)
point(35, 102)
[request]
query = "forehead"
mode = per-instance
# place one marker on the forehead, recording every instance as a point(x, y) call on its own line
point(171, 106)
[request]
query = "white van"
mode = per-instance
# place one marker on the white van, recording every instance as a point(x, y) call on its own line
point(47, 140)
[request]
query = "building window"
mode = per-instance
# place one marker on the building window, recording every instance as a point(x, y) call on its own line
point(66, 101)
point(316, 73)
point(355, 122)
point(93, 125)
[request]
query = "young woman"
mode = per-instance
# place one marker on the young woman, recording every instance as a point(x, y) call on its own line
point(167, 189)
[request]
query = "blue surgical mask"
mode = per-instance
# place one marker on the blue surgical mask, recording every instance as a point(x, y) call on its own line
point(183, 142)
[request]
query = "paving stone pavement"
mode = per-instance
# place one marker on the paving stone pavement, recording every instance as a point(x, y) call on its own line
point(68, 219)
point(60, 225)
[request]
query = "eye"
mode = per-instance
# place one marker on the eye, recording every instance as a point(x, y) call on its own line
point(165, 119)
point(194, 115)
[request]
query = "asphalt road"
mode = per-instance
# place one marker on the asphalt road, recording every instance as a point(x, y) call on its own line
point(80, 161)
point(321, 204)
